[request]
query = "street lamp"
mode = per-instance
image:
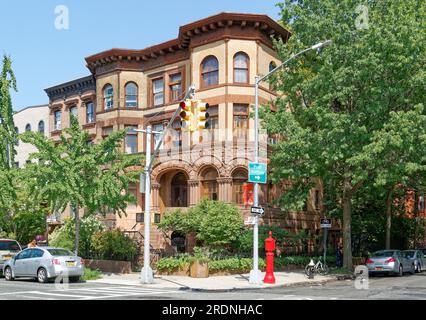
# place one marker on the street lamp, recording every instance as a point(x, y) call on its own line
point(146, 272)
point(255, 275)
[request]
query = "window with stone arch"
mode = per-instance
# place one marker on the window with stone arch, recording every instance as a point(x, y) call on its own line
point(239, 179)
point(241, 67)
point(209, 186)
point(209, 72)
point(131, 90)
point(108, 97)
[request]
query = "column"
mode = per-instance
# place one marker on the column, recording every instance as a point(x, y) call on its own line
point(155, 194)
point(225, 189)
point(194, 192)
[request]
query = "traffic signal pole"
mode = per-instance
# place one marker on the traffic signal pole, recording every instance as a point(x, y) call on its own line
point(147, 276)
point(255, 275)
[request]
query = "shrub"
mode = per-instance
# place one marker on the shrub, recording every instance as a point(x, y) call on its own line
point(173, 264)
point(114, 245)
point(64, 236)
point(90, 274)
point(215, 223)
point(244, 241)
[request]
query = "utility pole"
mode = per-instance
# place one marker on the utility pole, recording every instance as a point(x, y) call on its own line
point(147, 276)
point(255, 275)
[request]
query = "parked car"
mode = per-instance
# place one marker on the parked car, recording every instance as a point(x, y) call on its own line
point(389, 261)
point(8, 249)
point(44, 263)
point(424, 251)
point(418, 258)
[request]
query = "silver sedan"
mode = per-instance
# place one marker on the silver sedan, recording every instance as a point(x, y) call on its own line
point(418, 258)
point(44, 263)
point(389, 261)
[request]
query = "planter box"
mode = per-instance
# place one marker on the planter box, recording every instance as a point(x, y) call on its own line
point(199, 270)
point(179, 272)
point(109, 266)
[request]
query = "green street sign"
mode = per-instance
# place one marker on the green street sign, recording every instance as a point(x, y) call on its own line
point(257, 172)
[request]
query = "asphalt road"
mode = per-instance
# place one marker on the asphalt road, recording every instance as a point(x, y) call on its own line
point(384, 287)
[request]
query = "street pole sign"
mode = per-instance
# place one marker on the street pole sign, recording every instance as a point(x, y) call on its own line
point(257, 211)
point(325, 223)
point(257, 172)
point(249, 221)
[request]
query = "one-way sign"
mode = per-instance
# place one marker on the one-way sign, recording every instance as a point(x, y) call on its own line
point(257, 211)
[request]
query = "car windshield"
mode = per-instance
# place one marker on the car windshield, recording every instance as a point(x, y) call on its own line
point(60, 252)
point(9, 245)
point(383, 253)
point(409, 254)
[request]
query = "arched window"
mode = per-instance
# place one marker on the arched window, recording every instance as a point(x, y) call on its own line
point(209, 184)
point(209, 71)
point(272, 66)
point(241, 68)
point(131, 95)
point(108, 97)
point(41, 127)
point(239, 179)
point(179, 186)
point(27, 127)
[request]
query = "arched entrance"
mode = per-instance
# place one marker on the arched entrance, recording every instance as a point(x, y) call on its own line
point(179, 190)
point(178, 241)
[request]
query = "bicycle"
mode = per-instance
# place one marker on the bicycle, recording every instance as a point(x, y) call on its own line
point(319, 267)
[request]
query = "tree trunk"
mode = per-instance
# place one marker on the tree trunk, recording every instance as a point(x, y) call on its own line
point(347, 239)
point(389, 217)
point(77, 230)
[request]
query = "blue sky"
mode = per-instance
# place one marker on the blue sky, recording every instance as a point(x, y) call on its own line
point(44, 56)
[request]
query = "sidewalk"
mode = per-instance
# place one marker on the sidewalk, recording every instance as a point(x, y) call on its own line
point(214, 283)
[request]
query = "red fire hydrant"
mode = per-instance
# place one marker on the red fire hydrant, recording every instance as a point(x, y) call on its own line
point(269, 248)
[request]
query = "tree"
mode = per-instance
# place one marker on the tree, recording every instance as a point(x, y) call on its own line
point(215, 223)
point(75, 172)
point(337, 101)
point(8, 179)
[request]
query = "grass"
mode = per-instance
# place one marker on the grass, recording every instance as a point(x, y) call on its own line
point(335, 270)
point(90, 274)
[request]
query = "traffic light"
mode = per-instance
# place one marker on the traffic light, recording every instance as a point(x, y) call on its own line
point(186, 115)
point(202, 115)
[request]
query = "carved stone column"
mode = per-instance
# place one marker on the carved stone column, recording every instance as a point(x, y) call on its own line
point(225, 189)
point(155, 194)
point(194, 192)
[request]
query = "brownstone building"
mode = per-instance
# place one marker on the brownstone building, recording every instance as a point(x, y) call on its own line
point(220, 55)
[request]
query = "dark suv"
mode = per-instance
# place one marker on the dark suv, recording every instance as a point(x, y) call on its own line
point(8, 249)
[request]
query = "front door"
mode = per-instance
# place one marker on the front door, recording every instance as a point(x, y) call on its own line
point(179, 191)
point(20, 266)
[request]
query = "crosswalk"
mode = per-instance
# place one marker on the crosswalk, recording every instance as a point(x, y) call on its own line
point(92, 293)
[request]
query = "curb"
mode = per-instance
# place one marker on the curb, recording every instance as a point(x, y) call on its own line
point(291, 285)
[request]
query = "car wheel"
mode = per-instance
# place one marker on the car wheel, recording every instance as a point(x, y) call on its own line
point(413, 269)
point(400, 271)
point(42, 275)
point(8, 274)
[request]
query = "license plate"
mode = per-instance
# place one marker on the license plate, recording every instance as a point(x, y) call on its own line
point(379, 268)
point(71, 264)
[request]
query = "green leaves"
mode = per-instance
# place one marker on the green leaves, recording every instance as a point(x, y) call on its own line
point(75, 171)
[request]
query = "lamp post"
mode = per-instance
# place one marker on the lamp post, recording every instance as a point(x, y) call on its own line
point(147, 276)
point(255, 275)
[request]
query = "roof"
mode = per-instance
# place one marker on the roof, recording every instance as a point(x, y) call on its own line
point(261, 22)
point(31, 107)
